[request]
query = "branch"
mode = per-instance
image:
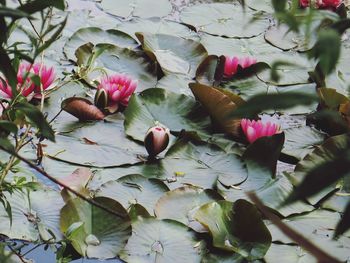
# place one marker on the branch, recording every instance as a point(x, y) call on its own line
point(319, 254)
point(41, 171)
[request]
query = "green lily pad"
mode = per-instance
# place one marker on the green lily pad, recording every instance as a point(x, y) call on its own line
point(134, 189)
point(138, 8)
point(113, 59)
point(182, 203)
point(156, 26)
point(301, 141)
point(190, 163)
point(275, 192)
point(262, 5)
point(31, 217)
point(253, 47)
point(95, 233)
point(246, 87)
point(236, 227)
point(174, 54)
point(327, 151)
point(95, 36)
point(261, 160)
point(227, 20)
point(175, 111)
point(176, 83)
point(161, 241)
point(96, 144)
point(289, 253)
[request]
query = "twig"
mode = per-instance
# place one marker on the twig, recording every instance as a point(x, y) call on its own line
point(319, 254)
point(41, 171)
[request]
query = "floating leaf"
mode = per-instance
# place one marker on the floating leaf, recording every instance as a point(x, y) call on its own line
point(95, 36)
point(99, 234)
point(174, 54)
point(161, 241)
point(218, 19)
point(236, 227)
point(134, 189)
point(182, 203)
point(138, 8)
point(176, 112)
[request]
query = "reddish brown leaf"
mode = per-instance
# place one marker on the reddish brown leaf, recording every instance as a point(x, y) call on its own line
point(82, 108)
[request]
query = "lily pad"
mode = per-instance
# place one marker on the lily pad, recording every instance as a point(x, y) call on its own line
point(301, 141)
point(227, 20)
point(175, 111)
point(182, 203)
point(161, 241)
point(176, 83)
point(113, 59)
point(32, 218)
point(95, 36)
point(156, 26)
point(236, 227)
point(174, 54)
point(96, 145)
point(134, 189)
point(138, 8)
point(327, 151)
point(95, 233)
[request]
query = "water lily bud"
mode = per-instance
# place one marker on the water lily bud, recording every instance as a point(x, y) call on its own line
point(156, 140)
point(101, 99)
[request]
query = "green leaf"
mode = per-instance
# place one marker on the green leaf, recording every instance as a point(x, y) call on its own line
point(96, 35)
point(327, 50)
point(265, 102)
point(320, 177)
point(177, 112)
point(323, 157)
point(134, 189)
point(8, 126)
point(37, 118)
point(102, 235)
point(219, 106)
point(138, 8)
point(39, 5)
point(174, 54)
point(167, 241)
point(236, 227)
point(218, 19)
point(182, 203)
point(13, 13)
point(344, 223)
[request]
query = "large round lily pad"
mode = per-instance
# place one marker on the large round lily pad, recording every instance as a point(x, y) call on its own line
point(95, 36)
point(32, 218)
point(113, 59)
point(236, 227)
point(96, 233)
point(181, 204)
point(174, 54)
point(96, 144)
point(224, 20)
point(134, 189)
point(156, 26)
point(138, 8)
point(177, 112)
point(161, 241)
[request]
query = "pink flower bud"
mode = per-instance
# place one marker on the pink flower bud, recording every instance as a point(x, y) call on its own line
point(254, 130)
point(156, 140)
point(322, 4)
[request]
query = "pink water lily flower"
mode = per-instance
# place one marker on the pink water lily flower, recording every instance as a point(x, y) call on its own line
point(232, 63)
point(119, 88)
point(254, 130)
point(46, 74)
point(322, 4)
